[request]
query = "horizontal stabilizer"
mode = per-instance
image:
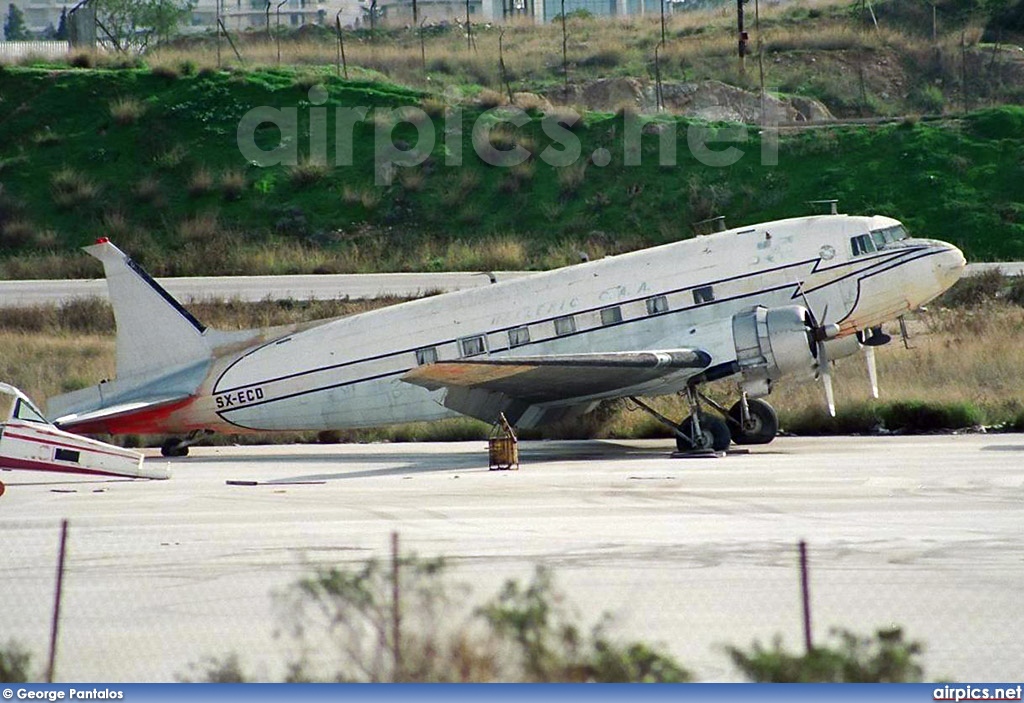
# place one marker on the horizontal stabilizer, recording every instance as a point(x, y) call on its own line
point(138, 416)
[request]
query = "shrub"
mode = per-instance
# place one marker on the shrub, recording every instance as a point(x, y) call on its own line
point(914, 416)
point(974, 290)
point(14, 663)
point(166, 71)
point(434, 107)
point(929, 99)
point(201, 183)
point(82, 59)
point(148, 190)
point(886, 658)
point(306, 173)
point(232, 184)
point(71, 189)
point(126, 111)
point(488, 99)
point(46, 137)
point(570, 178)
point(198, 229)
point(171, 158)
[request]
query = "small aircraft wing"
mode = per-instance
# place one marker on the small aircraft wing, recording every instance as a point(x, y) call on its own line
point(482, 387)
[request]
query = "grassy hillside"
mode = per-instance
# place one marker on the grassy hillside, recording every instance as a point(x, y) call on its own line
point(151, 160)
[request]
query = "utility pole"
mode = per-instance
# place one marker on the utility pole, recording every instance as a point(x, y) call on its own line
point(742, 36)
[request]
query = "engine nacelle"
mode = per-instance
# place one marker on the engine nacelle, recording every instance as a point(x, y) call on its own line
point(772, 343)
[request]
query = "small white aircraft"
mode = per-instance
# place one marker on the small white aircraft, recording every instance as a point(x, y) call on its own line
point(756, 303)
point(28, 441)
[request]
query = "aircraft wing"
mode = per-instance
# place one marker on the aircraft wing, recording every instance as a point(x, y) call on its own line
point(482, 387)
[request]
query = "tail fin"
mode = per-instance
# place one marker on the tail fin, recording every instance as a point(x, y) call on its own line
point(154, 331)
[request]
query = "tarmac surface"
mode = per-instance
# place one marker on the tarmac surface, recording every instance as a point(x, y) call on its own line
point(924, 533)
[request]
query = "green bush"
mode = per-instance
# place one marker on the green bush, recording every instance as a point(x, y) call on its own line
point(14, 663)
point(998, 123)
point(974, 290)
point(886, 658)
point(913, 416)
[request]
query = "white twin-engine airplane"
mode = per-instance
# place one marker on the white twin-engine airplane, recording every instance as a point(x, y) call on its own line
point(756, 303)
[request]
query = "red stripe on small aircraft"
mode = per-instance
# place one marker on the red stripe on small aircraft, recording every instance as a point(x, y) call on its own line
point(7, 462)
point(76, 447)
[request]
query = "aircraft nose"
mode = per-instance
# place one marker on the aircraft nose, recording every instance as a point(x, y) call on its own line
point(949, 264)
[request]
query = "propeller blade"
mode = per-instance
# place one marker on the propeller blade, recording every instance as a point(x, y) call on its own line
point(826, 378)
point(869, 357)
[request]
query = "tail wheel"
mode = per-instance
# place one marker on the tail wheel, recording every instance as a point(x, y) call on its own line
point(174, 447)
point(761, 427)
point(714, 434)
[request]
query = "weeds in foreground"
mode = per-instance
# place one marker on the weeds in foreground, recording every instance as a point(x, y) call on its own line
point(884, 658)
point(349, 627)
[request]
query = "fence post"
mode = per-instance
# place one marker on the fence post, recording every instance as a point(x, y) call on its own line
point(56, 600)
point(805, 591)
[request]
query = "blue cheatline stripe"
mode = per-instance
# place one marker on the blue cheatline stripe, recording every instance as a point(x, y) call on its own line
point(533, 693)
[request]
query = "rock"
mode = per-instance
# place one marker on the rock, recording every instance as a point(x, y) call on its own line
point(608, 94)
point(810, 110)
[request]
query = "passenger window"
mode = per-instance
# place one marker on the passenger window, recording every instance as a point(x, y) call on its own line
point(518, 336)
point(862, 244)
point(565, 325)
point(471, 346)
point(427, 355)
point(657, 304)
point(705, 294)
point(609, 316)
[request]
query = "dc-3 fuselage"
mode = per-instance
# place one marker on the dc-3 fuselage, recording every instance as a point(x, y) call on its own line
point(751, 302)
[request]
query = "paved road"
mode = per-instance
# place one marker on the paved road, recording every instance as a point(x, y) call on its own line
point(693, 553)
point(255, 288)
point(321, 287)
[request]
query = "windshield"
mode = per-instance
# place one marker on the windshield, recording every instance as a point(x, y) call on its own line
point(887, 235)
point(26, 411)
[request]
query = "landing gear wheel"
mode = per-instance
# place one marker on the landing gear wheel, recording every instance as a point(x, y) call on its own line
point(174, 447)
point(761, 427)
point(714, 434)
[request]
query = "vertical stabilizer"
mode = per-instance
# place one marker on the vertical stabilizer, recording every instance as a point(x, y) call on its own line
point(154, 331)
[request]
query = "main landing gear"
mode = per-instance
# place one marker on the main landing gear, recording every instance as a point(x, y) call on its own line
point(748, 421)
point(176, 446)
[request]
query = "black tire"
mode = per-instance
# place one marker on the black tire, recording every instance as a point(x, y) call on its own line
point(174, 447)
point(713, 429)
point(763, 426)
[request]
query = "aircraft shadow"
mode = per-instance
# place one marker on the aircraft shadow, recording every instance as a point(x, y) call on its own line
point(435, 462)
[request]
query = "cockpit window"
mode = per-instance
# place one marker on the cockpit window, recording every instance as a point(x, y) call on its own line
point(862, 244)
point(886, 235)
point(25, 411)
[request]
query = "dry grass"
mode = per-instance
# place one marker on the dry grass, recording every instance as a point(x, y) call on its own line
point(602, 47)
